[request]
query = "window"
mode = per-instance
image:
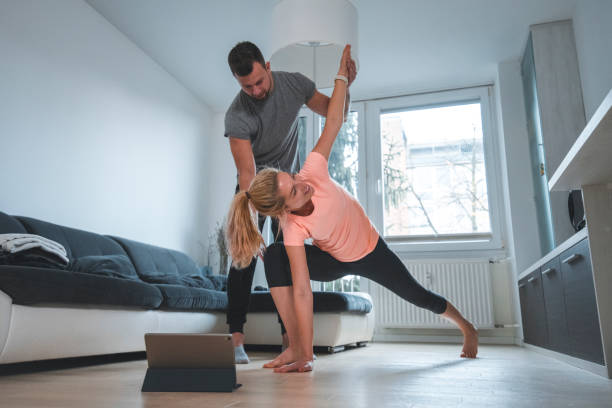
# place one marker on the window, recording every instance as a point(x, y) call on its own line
point(423, 167)
point(343, 160)
point(434, 178)
point(429, 185)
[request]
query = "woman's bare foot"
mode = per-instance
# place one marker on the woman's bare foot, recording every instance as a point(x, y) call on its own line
point(470, 334)
point(286, 357)
point(470, 342)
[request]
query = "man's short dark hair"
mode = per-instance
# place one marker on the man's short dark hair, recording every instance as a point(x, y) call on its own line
point(242, 57)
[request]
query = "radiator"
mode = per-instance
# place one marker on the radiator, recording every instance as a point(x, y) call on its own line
point(466, 284)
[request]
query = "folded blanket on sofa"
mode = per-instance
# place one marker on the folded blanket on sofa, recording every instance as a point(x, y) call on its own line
point(32, 257)
point(15, 243)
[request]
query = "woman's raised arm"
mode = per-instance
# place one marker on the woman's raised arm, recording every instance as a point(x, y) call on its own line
point(335, 109)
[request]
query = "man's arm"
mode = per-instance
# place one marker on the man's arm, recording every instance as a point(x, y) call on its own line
point(319, 103)
point(244, 160)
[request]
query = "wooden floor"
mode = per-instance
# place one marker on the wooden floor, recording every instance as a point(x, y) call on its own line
point(379, 375)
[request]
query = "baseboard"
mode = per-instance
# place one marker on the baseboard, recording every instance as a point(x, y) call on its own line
point(505, 336)
point(576, 362)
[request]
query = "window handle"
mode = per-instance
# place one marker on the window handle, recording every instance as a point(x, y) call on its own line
point(379, 186)
point(571, 259)
point(522, 285)
point(547, 271)
point(531, 279)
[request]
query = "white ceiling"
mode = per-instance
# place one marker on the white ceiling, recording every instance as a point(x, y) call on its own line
point(405, 46)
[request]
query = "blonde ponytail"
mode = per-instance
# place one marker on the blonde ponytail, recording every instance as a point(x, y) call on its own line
point(243, 237)
point(244, 240)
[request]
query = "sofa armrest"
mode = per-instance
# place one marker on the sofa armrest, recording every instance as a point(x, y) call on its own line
point(6, 307)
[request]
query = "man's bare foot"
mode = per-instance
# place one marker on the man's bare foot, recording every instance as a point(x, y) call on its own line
point(470, 342)
point(286, 357)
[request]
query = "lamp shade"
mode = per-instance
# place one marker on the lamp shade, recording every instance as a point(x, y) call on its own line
point(308, 36)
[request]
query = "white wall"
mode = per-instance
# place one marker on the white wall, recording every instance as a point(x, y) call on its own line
point(221, 183)
point(94, 134)
point(593, 31)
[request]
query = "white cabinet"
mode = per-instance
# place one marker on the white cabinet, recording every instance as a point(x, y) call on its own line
point(555, 116)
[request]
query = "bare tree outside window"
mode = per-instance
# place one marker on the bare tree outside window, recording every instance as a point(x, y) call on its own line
point(434, 171)
point(343, 159)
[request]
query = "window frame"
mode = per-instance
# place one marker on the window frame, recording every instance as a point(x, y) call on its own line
point(374, 170)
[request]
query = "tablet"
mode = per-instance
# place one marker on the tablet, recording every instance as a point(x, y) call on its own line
point(189, 350)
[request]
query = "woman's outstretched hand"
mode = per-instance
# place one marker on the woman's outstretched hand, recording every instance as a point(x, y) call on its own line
point(347, 65)
point(300, 366)
point(288, 356)
point(288, 361)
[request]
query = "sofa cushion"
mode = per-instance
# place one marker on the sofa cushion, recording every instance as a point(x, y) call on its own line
point(10, 225)
point(29, 285)
point(114, 266)
point(153, 261)
point(196, 299)
point(322, 302)
point(219, 282)
point(193, 281)
point(78, 243)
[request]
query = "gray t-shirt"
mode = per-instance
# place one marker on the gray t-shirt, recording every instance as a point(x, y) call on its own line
point(271, 124)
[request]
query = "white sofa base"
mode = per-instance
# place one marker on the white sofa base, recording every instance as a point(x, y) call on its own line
point(29, 333)
point(330, 329)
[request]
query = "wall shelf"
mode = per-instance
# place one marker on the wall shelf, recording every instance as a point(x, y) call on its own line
point(589, 160)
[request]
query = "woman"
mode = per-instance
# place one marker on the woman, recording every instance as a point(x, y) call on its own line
point(310, 205)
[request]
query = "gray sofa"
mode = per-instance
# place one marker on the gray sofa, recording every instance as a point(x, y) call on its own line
point(85, 309)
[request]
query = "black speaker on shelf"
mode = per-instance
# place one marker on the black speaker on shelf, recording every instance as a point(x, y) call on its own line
point(576, 210)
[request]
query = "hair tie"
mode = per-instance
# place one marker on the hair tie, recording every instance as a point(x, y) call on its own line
point(248, 195)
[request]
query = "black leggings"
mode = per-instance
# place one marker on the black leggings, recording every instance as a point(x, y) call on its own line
point(381, 266)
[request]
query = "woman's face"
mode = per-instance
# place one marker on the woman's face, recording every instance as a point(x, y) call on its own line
point(295, 192)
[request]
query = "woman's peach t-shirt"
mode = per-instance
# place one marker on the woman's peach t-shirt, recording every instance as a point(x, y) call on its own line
point(338, 225)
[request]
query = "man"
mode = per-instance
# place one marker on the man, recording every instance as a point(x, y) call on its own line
point(261, 124)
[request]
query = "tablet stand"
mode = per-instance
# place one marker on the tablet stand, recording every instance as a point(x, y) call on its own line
point(190, 380)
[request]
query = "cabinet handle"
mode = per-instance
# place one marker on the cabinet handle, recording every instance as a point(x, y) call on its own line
point(531, 279)
point(547, 271)
point(570, 259)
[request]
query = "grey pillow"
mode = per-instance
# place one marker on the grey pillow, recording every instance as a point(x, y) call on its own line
point(114, 266)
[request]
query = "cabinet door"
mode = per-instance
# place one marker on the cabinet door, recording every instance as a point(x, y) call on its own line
point(533, 311)
point(580, 304)
point(536, 150)
point(554, 301)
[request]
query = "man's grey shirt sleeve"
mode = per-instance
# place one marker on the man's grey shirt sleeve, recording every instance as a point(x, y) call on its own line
point(236, 126)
